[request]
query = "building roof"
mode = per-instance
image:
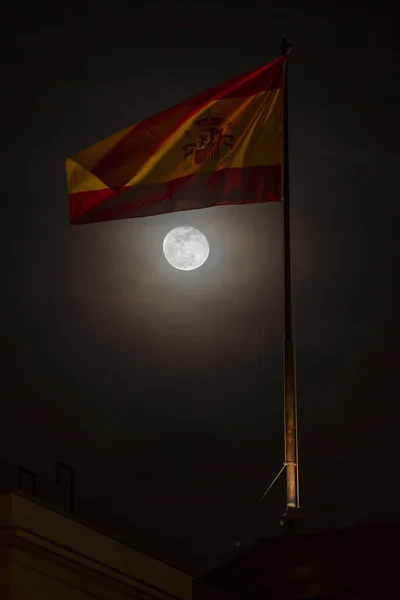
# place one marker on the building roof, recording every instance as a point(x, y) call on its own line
point(338, 564)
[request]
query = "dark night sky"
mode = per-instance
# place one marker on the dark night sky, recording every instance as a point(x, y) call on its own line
point(164, 388)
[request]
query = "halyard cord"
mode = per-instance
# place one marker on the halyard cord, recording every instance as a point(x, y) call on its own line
point(285, 464)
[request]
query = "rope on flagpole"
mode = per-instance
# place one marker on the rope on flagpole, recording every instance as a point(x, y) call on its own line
point(271, 485)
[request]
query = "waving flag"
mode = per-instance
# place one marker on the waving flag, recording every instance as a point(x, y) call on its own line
point(223, 146)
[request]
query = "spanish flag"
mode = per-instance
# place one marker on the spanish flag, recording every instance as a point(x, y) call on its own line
point(223, 146)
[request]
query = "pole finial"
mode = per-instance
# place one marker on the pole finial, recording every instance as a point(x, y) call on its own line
point(285, 47)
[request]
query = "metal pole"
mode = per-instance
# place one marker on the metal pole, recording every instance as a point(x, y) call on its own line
point(290, 405)
point(33, 477)
point(71, 472)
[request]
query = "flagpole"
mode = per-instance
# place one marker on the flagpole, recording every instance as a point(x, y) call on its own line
point(290, 401)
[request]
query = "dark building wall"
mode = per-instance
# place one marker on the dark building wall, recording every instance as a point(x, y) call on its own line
point(339, 565)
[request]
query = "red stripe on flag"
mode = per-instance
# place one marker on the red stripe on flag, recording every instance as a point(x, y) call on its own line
point(201, 190)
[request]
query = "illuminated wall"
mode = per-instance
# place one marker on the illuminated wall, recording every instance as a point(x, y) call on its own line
point(45, 554)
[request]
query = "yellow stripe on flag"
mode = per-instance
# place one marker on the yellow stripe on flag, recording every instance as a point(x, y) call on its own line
point(251, 126)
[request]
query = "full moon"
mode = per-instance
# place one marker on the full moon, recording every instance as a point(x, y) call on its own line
point(186, 248)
